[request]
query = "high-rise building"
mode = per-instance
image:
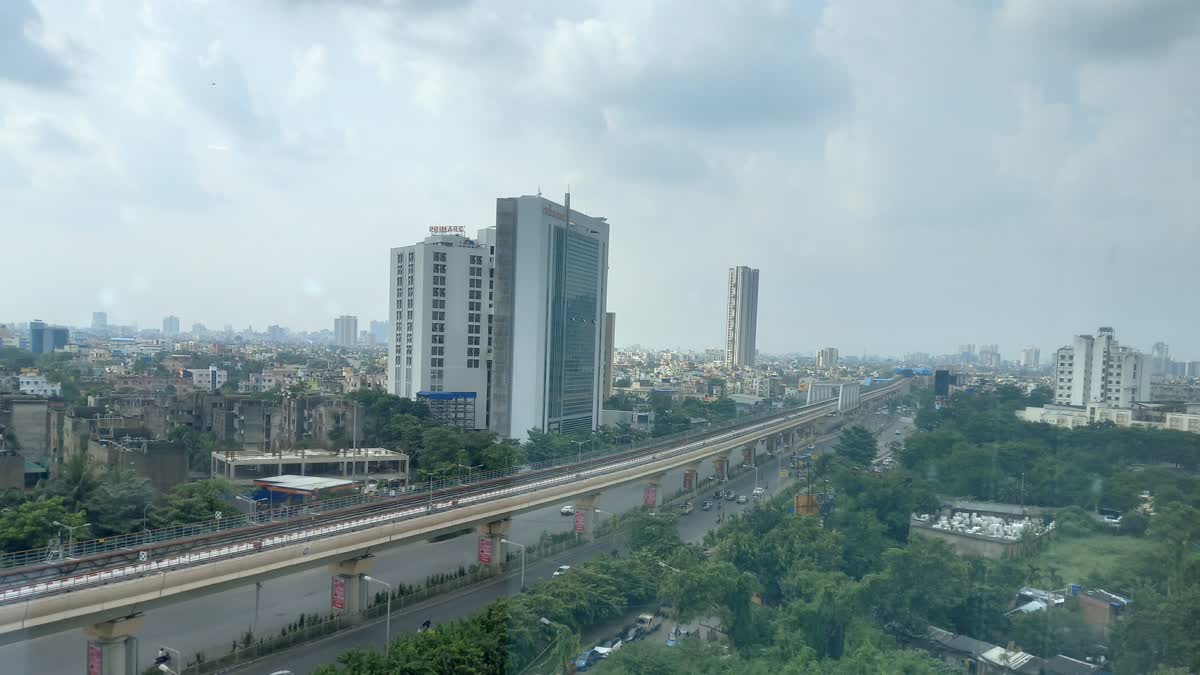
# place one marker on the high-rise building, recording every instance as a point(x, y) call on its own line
point(827, 358)
point(989, 356)
point(551, 286)
point(1161, 353)
point(610, 329)
point(942, 379)
point(44, 339)
point(37, 337)
point(276, 333)
point(99, 321)
point(345, 330)
point(1031, 357)
point(379, 332)
point(170, 325)
point(440, 336)
point(1099, 370)
point(741, 317)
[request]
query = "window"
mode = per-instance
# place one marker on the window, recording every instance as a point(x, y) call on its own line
point(437, 351)
point(436, 363)
point(439, 328)
point(472, 340)
point(439, 256)
point(439, 339)
point(473, 351)
point(472, 363)
point(473, 329)
point(439, 292)
point(439, 316)
point(476, 271)
point(474, 295)
point(439, 268)
point(476, 283)
point(439, 280)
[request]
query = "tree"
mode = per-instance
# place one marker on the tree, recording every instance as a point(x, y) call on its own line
point(1054, 631)
point(192, 502)
point(856, 445)
point(1177, 529)
point(442, 448)
point(920, 585)
point(501, 455)
point(31, 525)
point(75, 482)
point(116, 505)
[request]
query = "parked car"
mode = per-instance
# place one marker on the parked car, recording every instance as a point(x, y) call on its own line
point(742, 499)
point(730, 496)
point(567, 510)
point(562, 569)
point(706, 506)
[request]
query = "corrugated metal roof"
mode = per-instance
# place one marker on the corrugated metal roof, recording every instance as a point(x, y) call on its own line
point(291, 482)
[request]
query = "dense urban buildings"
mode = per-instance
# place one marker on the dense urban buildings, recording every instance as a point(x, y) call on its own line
point(741, 317)
point(1097, 369)
point(345, 330)
point(170, 325)
point(441, 303)
point(551, 282)
point(99, 321)
point(44, 339)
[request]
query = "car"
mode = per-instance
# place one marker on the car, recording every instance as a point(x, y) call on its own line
point(730, 496)
point(897, 432)
point(562, 569)
point(719, 494)
point(742, 499)
point(706, 506)
point(635, 633)
point(567, 510)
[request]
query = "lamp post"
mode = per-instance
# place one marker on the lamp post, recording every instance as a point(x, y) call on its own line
point(71, 535)
point(579, 454)
point(509, 541)
point(469, 469)
point(387, 635)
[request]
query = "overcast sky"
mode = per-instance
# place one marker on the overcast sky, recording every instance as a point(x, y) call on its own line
point(907, 176)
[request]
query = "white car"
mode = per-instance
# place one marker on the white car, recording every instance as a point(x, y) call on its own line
point(562, 569)
point(568, 510)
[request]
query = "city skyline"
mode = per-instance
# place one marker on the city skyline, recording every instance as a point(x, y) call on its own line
point(1059, 139)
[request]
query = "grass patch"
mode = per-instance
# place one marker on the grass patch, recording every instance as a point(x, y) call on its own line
point(1067, 561)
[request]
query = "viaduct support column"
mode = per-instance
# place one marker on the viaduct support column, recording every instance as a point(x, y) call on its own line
point(585, 516)
point(721, 467)
point(349, 592)
point(110, 651)
point(691, 478)
point(652, 491)
point(493, 552)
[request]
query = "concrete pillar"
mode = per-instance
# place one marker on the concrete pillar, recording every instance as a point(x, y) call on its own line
point(348, 587)
point(652, 491)
point(494, 533)
point(721, 467)
point(112, 648)
point(586, 506)
point(748, 454)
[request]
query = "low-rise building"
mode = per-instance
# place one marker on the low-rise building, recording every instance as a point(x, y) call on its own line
point(34, 383)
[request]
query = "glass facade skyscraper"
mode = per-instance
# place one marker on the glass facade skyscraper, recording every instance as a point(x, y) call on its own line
point(551, 278)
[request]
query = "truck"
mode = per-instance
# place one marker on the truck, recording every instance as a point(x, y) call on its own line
point(649, 623)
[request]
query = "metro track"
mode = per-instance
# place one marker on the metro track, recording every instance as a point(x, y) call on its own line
point(52, 578)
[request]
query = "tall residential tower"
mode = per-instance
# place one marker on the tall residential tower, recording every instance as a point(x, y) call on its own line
point(441, 324)
point(345, 330)
point(1099, 370)
point(741, 317)
point(551, 283)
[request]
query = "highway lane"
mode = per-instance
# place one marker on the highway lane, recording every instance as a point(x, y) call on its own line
point(307, 658)
point(210, 623)
point(692, 528)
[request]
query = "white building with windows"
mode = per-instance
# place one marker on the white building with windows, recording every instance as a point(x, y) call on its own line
point(345, 330)
point(440, 327)
point(35, 383)
point(551, 289)
point(741, 317)
point(210, 378)
point(1097, 369)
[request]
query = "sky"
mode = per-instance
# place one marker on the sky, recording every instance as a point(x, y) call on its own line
point(906, 176)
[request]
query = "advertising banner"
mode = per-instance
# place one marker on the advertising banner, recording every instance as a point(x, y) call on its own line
point(650, 496)
point(485, 551)
point(338, 598)
point(579, 521)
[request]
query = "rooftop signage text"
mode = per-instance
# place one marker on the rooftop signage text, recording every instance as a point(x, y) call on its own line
point(447, 229)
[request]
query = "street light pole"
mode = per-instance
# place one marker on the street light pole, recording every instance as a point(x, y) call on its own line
point(387, 639)
point(509, 541)
point(71, 535)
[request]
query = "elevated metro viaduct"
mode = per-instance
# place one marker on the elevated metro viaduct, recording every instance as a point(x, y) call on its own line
point(110, 606)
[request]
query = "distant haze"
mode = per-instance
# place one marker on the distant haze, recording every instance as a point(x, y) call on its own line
point(906, 176)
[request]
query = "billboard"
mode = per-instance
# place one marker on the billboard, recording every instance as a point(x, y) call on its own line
point(579, 521)
point(338, 595)
point(689, 480)
point(95, 659)
point(650, 496)
point(806, 505)
point(485, 551)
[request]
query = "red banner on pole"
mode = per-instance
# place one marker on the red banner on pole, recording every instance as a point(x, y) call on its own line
point(650, 496)
point(485, 551)
point(689, 479)
point(579, 521)
point(338, 596)
point(95, 659)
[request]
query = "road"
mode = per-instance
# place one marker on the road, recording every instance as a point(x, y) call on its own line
point(210, 623)
point(692, 528)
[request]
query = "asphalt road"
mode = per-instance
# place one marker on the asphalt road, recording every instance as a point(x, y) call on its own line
point(210, 623)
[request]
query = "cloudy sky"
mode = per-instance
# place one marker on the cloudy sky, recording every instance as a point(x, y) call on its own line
point(907, 176)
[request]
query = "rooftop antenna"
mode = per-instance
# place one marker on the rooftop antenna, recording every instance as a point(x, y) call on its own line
point(539, 190)
point(567, 203)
